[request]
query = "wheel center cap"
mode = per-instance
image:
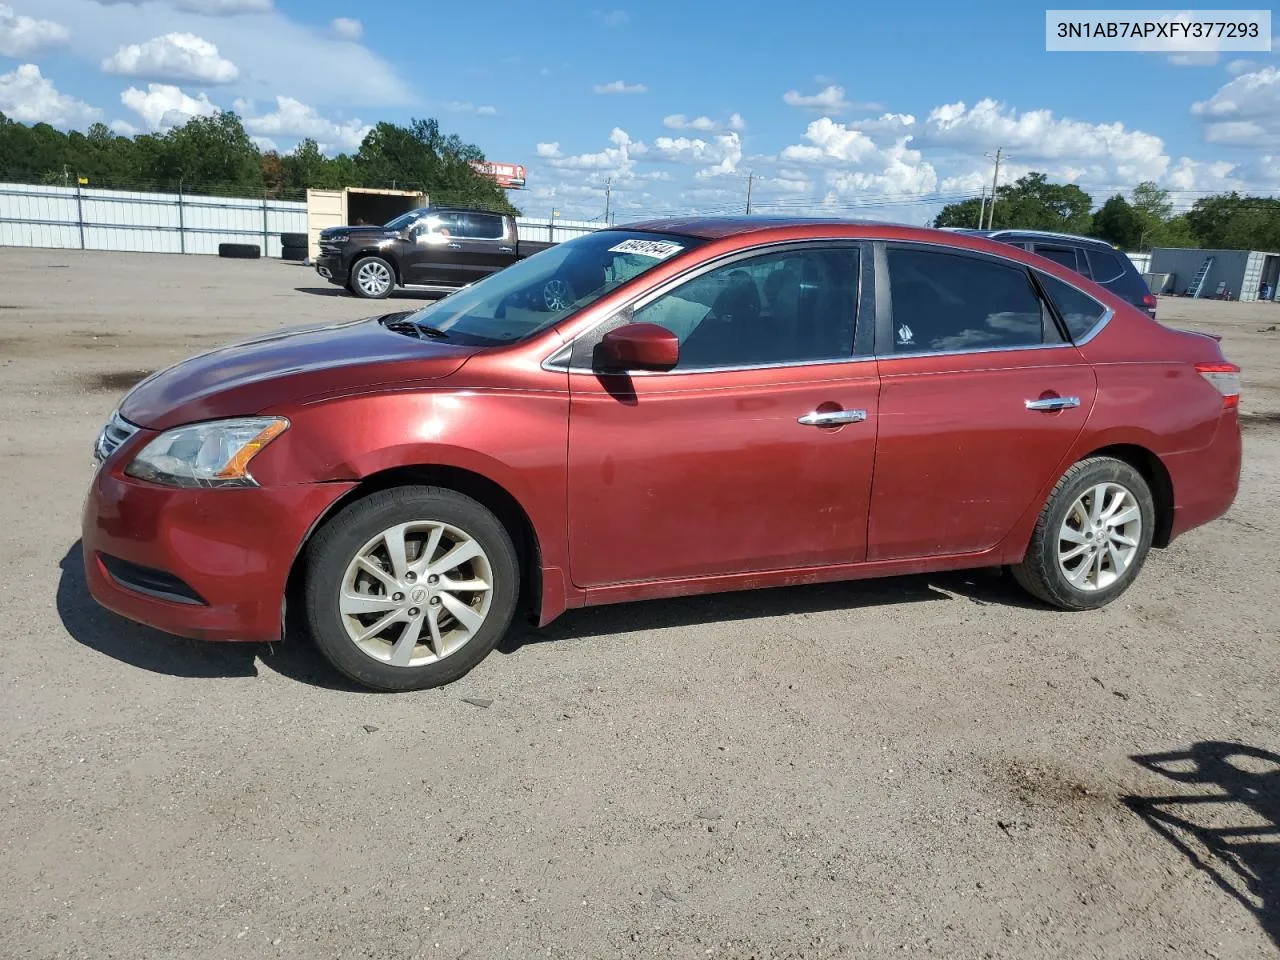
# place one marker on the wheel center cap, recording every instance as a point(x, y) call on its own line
point(418, 594)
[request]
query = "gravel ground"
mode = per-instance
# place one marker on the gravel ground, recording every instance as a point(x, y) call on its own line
point(926, 766)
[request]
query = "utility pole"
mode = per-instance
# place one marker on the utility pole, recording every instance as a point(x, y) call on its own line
point(608, 184)
point(982, 206)
point(750, 179)
point(995, 180)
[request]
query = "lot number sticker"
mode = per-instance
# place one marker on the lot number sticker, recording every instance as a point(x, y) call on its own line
point(657, 249)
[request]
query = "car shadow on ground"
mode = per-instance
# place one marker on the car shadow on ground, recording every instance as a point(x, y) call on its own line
point(336, 291)
point(295, 657)
point(1226, 820)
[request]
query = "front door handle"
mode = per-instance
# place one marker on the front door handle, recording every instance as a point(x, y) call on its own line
point(1053, 403)
point(455, 246)
point(832, 418)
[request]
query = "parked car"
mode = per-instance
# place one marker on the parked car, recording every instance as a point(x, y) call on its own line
point(432, 246)
point(669, 408)
point(1094, 258)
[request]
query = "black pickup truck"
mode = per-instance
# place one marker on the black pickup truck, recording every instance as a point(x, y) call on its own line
point(438, 247)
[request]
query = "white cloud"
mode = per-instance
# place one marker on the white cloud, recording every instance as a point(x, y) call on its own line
point(829, 99)
point(1194, 58)
point(27, 96)
point(548, 149)
point(213, 8)
point(466, 106)
point(612, 18)
point(885, 128)
point(617, 161)
point(619, 86)
point(295, 119)
point(124, 128)
point(274, 52)
point(1245, 112)
point(1237, 67)
point(175, 56)
point(830, 142)
point(703, 124)
point(163, 105)
point(265, 144)
point(345, 28)
point(716, 157)
point(1132, 155)
point(21, 35)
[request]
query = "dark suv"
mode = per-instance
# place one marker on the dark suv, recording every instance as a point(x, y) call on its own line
point(1096, 259)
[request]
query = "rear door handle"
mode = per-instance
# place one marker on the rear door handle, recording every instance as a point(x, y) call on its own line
point(832, 418)
point(1053, 403)
point(455, 246)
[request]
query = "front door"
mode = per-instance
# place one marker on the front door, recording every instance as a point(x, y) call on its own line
point(433, 258)
point(754, 453)
point(981, 398)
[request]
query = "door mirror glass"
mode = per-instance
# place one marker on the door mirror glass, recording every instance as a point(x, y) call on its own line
point(639, 346)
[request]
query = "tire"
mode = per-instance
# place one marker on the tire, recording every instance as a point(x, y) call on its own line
point(429, 658)
point(1048, 570)
point(296, 254)
point(239, 251)
point(293, 241)
point(372, 278)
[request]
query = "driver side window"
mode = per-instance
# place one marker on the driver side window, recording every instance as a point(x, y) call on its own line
point(792, 306)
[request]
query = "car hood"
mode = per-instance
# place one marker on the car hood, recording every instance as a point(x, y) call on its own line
point(292, 365)
point(362, 232)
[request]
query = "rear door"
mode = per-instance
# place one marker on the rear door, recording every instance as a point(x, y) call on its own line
point(981, 397)
point(1070, 257)
point(480, 246)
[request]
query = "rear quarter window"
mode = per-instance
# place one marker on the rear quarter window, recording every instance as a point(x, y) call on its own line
point(1079, 311)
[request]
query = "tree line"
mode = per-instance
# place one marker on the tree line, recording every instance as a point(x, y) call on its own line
point(214, 155)
point(1227, 221)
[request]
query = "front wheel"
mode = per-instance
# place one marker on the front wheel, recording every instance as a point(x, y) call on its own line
point(372, 278)
point(410, 587)
point(1092, 537)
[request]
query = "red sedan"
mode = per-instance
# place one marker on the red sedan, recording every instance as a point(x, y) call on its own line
point(675, 407)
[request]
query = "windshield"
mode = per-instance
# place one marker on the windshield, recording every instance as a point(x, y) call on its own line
point(402, 221)
point(532, 294)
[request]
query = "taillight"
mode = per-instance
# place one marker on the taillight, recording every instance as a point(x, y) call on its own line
point(1225, 377)
point(1149, 300)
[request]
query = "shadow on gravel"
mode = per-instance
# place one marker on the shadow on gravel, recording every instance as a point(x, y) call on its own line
point(129, 642)
point(336, 291)
point(981, 587)
point(1227, 823)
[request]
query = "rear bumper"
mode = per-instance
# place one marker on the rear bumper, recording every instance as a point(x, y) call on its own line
point(206, 564)
point(1205, 481)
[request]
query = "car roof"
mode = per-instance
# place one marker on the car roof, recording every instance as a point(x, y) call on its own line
point(1047, 234)
point(718, 228)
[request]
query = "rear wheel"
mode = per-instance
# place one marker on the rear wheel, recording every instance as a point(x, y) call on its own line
point(411, 587)
point(1092, 537)
point(372, 278)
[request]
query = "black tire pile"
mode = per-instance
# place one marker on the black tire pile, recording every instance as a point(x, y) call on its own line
point(293, 246)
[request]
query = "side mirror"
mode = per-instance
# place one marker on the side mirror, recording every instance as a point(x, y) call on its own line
point(640, 346)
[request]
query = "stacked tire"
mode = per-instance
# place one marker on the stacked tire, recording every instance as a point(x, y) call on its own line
point(239, 251)
point(293, 246)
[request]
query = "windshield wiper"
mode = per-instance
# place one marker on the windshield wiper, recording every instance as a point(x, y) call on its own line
point(419, 330)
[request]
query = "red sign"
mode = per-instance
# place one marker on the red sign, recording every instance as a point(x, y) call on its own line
point(509, 175)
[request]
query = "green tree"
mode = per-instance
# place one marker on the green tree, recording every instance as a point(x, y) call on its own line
point(1030, 203)
point(1119, 224)
point(962, 214)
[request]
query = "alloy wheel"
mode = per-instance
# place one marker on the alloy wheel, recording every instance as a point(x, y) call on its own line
point(556, 295)
point(374, 278)
point(1099, 536)
point(416, 593)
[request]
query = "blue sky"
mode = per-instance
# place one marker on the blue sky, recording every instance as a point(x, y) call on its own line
point(883, 110)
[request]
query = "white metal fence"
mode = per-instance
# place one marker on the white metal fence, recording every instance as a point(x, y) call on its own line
point(81, 218)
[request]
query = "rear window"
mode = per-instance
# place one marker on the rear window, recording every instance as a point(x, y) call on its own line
point(1063, 255)
point(482, 226)
point(1080, 311)
point(1106, 266)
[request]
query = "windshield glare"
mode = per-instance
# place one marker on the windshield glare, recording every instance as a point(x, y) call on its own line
point(532, 294)
point(402, 221)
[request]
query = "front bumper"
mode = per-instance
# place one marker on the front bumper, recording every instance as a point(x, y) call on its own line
point(232, 548)
point(332, 268)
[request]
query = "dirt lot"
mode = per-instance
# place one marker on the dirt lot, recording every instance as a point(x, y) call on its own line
point(926, 767)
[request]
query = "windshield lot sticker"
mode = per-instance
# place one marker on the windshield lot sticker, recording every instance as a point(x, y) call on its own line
point(657, 249)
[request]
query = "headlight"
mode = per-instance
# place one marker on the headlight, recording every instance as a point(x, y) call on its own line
point(213, 454)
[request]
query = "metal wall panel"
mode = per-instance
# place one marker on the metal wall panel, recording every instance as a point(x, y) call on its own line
point(91, 219)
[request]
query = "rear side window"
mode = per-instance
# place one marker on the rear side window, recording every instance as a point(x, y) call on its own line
point(1080, 311)
point(1106, 266)
point(944, 302)
point(1063, 255)
point(482, 226)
